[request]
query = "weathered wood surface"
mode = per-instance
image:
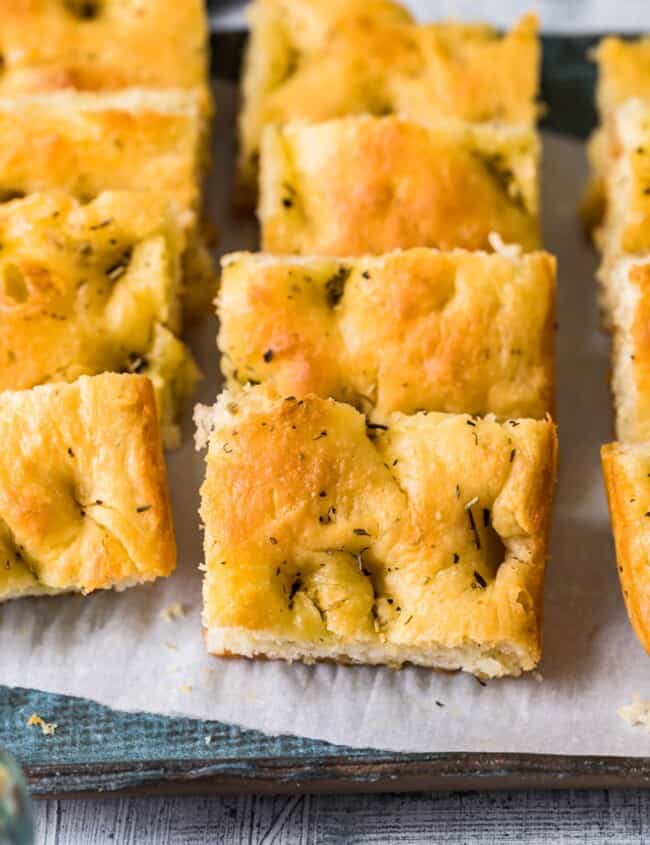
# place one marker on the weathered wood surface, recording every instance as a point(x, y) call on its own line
point(523, 818)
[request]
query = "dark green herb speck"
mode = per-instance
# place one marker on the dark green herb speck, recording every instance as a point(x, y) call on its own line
point(335, 286)
point(472, 525)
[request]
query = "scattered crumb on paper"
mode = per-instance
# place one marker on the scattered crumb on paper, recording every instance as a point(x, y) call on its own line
point(538, 676)
point(186, 688)
point(636, 713)
point(173, 611)
point(47, 728)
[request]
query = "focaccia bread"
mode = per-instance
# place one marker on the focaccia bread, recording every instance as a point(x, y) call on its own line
point(89, 143)
point(626, 467)
point(86, 143)
point(312, 60)
point(423, 540)
point(626, 298)
point(406, 331)
point(623, 74)
point(83, 490)
point(370, 185)
point(102, 44)
point(89, 288)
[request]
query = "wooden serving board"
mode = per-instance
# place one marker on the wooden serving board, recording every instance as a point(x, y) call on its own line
point(96, 749)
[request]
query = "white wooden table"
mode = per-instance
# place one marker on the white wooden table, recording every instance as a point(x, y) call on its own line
point(507, 818)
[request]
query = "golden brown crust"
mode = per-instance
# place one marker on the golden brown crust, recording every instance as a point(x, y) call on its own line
point(89, 143)
point(623, 74)
point(627, 480)
point(627, 223)
point(102, 44)
point(314, 61)
point(83, 491)
point(430, 533)
point(407, 331)
point(95, 287)
point(370, 185)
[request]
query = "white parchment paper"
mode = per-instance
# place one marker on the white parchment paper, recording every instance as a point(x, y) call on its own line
point(119, 650)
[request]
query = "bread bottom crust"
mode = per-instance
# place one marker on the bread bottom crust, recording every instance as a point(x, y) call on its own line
point(490, 660)
point(35, 590)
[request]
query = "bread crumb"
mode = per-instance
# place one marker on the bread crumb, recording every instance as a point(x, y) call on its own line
point(538, 676)
point(636, 713)
point(172, 646)
point(47, 728)
point(512, 251)
point(186, 688)
point(174, 611)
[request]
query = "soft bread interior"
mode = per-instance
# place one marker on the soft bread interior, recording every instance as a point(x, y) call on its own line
point(30, 588)
point(482, 660)
point(167, 101)
point(621, 298)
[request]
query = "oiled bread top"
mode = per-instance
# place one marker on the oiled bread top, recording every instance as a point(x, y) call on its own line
point(430, 529)
point(83, 495)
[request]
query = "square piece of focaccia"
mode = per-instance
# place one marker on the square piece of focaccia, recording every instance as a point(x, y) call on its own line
point(626, 467)
point(313, 60)
point(421, 541)
point(89, 288)
point(626, 297)
point(89, 143)
point(83, 490)
point(623, 74)
point(406, 331)
point(102, 44)
point(370, 185)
